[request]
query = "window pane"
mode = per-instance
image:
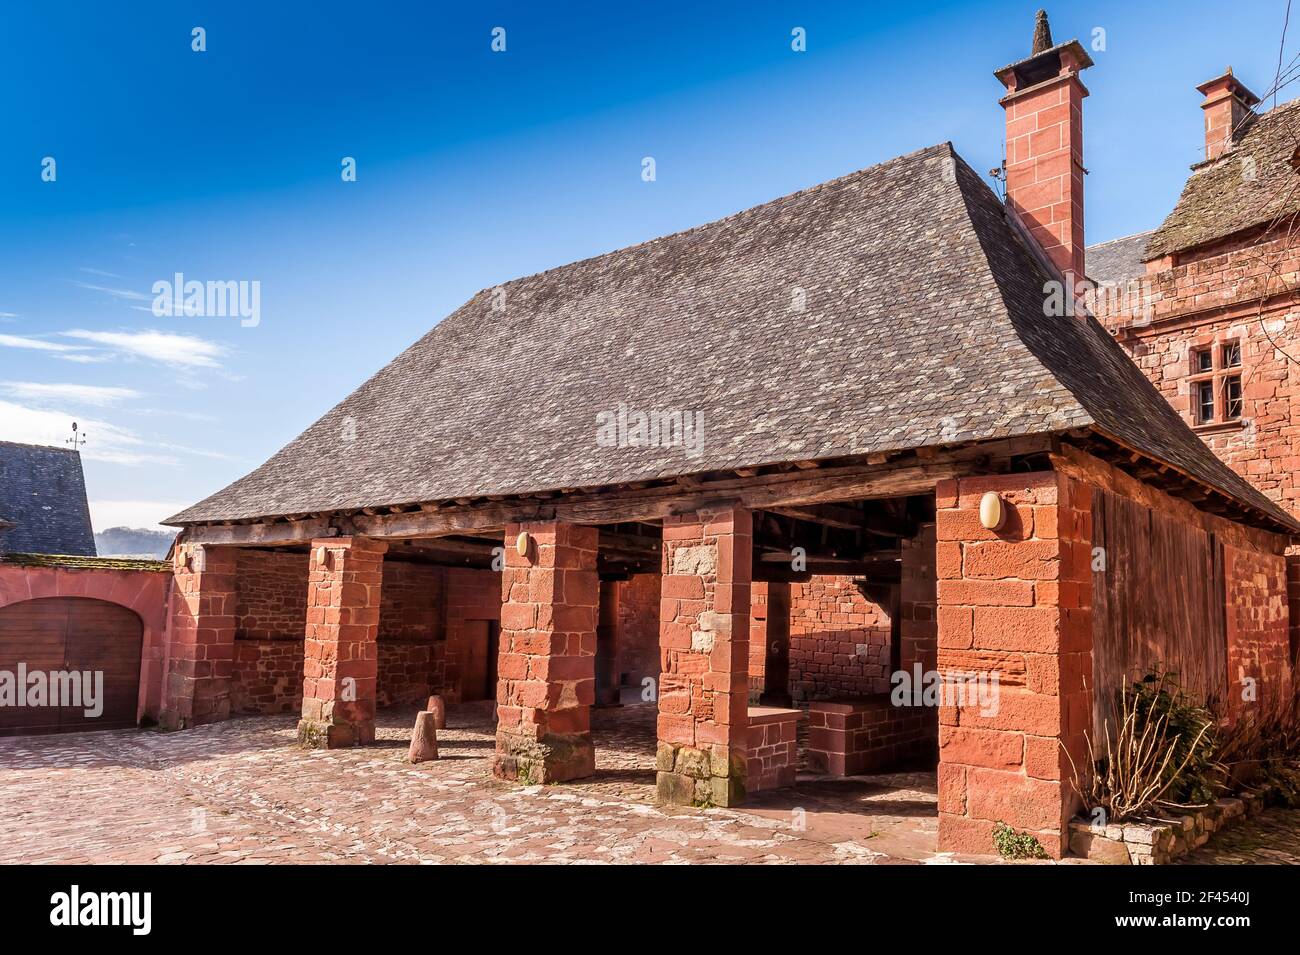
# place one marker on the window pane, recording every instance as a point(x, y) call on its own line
point(1203, 360)
point(1232, 354)
point(1205, 401)
point(1232, 395)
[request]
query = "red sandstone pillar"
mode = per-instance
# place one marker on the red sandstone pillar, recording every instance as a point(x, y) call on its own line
point(202, 638)
point(1015, 602)
point(546, 675)
point(704, 648)
point(340, 659)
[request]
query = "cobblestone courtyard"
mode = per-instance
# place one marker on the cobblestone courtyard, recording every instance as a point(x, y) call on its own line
point(241, 791)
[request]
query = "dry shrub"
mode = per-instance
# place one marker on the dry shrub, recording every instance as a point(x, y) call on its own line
point(1158, 756)
point(1262, 744)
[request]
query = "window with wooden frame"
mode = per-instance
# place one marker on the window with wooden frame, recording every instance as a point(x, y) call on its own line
point(1215, 379)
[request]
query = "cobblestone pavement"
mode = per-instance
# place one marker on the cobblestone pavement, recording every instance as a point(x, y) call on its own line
point(241, 791)
point(1271, 838)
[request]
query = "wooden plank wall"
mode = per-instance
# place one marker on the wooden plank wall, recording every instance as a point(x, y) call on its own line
point(1161, 602)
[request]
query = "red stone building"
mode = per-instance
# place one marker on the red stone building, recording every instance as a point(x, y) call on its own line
point(777, 459)
point(1206, 304)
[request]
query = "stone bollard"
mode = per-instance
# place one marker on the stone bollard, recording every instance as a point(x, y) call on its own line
point(424, 738)
point(439, 711)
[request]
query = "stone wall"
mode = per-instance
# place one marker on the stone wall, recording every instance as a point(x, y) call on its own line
point(272, 600)
point(267, 676)
point(1259, 644)
point(271, 616)
point(411, 627)
point(839, 640)
point(470, 595)
point(638, 630)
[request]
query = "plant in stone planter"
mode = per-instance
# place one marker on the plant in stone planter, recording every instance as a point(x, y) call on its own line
point(1156, 757)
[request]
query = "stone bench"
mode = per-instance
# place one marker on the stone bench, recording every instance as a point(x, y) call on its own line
point(771, 750)
point(847, 737)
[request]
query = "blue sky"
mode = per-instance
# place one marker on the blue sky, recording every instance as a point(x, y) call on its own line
point(473, 167)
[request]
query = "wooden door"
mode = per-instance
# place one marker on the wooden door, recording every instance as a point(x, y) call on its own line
point(54, 634)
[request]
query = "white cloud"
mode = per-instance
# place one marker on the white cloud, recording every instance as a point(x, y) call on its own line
point(104, 441)
point(146, 514)
point(187, 351)
point(41, 393)
point(19, 341)
point(100, 272)
point(122, 293)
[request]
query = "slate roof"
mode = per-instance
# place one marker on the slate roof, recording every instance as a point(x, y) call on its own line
point(1221, 197)
point(922, 325)
point(1117, 261)
point(43, 496)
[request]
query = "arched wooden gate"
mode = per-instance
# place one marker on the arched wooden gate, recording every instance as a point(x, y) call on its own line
point(62, 634)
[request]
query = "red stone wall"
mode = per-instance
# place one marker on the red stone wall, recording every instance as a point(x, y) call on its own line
point(267, 676)
point(272, 601)
point(411, 627)
point(638, 629)
point(867, 735)
point(469, 595)
point(1258, 624)
point(839, 640)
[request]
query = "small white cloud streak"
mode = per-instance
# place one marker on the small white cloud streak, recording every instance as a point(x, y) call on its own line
point(122, 293)
point(168, 348)
point(98, 395)
point(37, 344)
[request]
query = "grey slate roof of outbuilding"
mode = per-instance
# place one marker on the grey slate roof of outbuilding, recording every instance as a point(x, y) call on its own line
point(1117, 261)
point(1250, 184)
point(922, 325)
point(43, 497)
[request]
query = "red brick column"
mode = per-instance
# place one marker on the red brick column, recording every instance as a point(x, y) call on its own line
point(704, 648)
point(1015, 602)
point(201, 652)
point(546, 674)
point(341, 660)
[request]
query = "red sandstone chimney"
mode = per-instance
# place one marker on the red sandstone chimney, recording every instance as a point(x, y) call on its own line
point(1227, 111)
point(1044, 166)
